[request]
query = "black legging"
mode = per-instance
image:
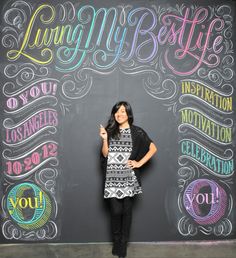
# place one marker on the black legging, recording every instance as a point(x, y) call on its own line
point(121, 218)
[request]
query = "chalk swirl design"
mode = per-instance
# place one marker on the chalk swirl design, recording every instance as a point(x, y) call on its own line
point(46, 177)
point(47, 232)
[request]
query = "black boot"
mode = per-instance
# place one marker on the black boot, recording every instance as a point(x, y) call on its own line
point(116, 235)
point(116, 248)
point(123, 249)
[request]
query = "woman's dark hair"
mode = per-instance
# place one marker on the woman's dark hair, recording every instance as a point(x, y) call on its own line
point(112, 125)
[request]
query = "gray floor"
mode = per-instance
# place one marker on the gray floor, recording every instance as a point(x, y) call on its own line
point(192, 249)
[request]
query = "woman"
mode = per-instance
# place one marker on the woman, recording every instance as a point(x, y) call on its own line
point(125, 148)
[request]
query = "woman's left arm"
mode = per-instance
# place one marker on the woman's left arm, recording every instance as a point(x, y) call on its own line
point(137, 164)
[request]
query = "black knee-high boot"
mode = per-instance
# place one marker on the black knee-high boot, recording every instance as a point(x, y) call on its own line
point(116, 234)
point(116, 207)
point(126, 225)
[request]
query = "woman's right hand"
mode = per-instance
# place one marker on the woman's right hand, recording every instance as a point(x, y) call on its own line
point(103, 132)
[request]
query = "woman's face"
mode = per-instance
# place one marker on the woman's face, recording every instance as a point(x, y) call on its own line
point(121, 116)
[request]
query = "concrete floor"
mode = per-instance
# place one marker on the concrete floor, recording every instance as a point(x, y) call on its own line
point(193, 249)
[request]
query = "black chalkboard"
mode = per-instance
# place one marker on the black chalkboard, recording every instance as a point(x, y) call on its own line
point(65, 64)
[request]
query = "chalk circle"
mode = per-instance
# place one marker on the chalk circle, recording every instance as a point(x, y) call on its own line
point(217, 206)
point(26, 213)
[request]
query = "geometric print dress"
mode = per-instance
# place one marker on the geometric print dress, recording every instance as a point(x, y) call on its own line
point(120, 179)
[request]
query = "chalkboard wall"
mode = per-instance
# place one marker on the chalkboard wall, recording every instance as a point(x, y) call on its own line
point(65, 64)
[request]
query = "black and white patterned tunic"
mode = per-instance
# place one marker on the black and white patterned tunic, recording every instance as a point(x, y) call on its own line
point(120, 179)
